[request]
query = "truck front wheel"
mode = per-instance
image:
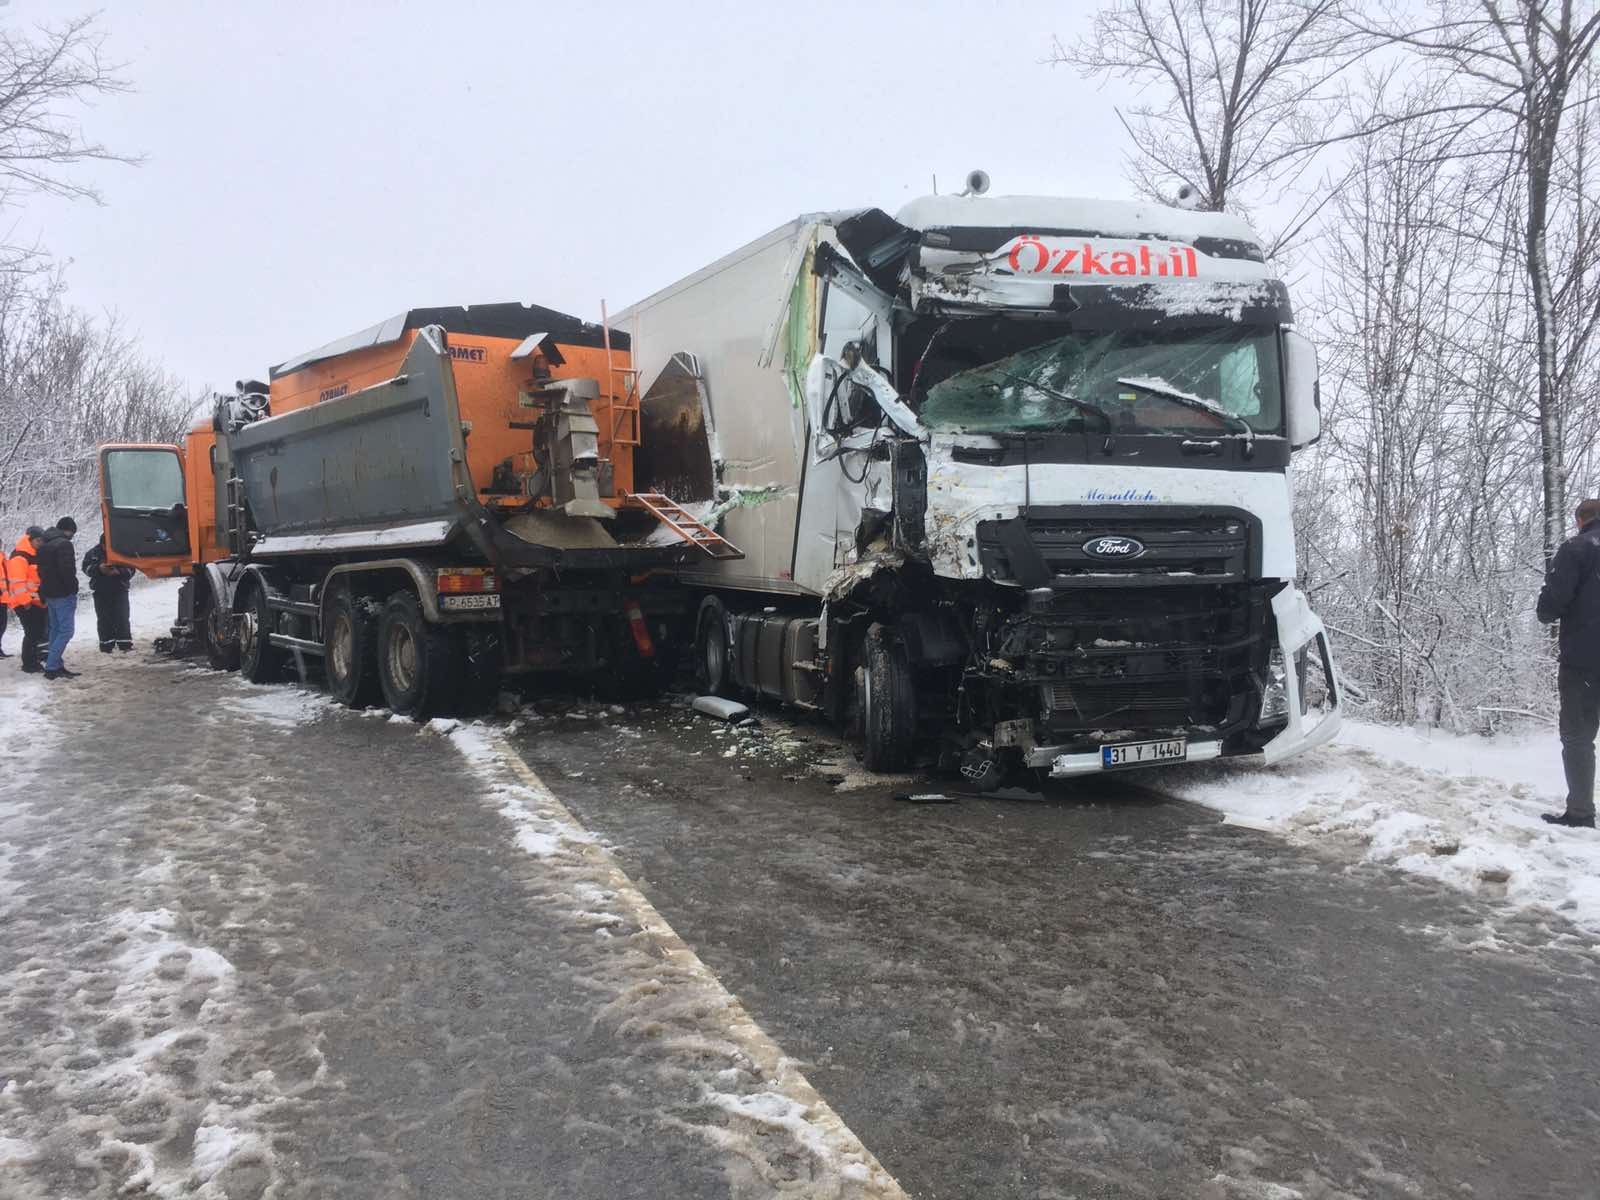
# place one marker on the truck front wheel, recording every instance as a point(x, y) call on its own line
point(888, 703)
point(259, 660)
point(415, 664)
point(350, 652)
point(713, 661)
point(218, 632)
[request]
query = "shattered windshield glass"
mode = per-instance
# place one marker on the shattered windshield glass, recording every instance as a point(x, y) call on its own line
point(1190, 381)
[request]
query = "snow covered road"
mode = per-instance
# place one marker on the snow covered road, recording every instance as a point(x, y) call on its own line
point(252, 946)
point(1104, 992)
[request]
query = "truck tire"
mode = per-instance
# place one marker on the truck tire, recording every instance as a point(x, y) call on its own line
point(350, 651)
point(416, 660)
point(259, 660)
point(713, 657)
point(888, 703)
point(221, 643)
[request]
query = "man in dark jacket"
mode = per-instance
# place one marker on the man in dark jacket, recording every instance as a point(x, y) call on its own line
point(109, 584)
point(58, 585)
point(1571, 595)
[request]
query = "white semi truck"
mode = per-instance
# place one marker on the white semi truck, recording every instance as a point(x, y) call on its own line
point(1012, 477)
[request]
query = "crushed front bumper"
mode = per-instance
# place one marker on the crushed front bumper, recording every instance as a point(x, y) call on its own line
point(1312, 719)
point(1063, 766)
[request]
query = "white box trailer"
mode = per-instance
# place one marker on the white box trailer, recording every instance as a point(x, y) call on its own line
point(1012, 477)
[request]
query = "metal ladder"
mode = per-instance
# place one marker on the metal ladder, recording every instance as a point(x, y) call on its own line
point(684, 523)
point(626, 413)
point(623, 417)
point(235, 532)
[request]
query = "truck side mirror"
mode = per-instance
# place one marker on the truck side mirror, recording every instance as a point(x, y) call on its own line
point(1302, 397)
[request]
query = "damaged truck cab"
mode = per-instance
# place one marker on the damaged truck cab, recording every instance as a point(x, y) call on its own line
point(1012, 476)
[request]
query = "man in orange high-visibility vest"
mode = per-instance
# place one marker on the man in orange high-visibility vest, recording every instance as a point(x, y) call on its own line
point(22, 597)
point(5, 602)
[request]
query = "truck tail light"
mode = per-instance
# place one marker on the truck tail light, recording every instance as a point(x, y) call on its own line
point(457, 581)
point(641, 631)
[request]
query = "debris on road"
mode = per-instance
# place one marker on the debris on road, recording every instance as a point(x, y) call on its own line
point(1256, 823)
point(723, 710)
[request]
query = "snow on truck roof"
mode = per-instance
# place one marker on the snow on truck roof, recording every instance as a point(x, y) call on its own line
point(1072, 214)
point(512, 320)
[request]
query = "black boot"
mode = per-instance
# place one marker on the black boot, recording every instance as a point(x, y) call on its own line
point(106, 647)
point(1567, 819)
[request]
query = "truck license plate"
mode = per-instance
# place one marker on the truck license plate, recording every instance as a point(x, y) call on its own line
point(490, 600)
point(1143, 754)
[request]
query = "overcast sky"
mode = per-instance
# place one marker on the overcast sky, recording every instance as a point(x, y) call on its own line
point(311, 168)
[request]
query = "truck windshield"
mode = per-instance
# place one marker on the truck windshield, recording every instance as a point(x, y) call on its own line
point(1146, 381)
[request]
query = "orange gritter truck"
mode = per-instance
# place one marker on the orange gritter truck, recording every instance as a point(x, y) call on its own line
point(427, 506)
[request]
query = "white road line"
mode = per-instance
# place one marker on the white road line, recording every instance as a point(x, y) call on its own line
point(779, 1072)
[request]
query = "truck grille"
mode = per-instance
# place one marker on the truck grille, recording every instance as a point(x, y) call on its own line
point(1055, 546)
point(1141, 706)
point(1143, 658)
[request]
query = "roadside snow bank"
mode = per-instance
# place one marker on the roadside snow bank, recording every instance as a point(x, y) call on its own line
point(1462, 810)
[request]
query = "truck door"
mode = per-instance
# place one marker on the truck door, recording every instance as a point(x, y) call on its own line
point(145, 511)
point(843, 475)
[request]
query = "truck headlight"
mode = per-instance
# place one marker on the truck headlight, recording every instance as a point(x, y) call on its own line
point(1275, 696)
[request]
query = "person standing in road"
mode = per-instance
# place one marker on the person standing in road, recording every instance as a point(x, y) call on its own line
point(108, 582)
point(5, 602)
point(1571, 595)
point(22, 597)
point(58, 584)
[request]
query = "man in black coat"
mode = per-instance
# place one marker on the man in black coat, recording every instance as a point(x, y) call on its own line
point(109, 583)
point(1571, 595)
point(58, 588)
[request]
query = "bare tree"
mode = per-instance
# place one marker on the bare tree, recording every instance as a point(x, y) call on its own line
point(45, 75)
point(1521, 69)
point(68, 383)
point(1430, 440)
point(1242, 92)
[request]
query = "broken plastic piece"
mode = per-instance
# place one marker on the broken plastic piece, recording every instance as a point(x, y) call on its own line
point(1246, 822)
point(723, 710)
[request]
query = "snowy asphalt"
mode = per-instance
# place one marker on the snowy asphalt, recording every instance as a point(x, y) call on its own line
point(252, 946)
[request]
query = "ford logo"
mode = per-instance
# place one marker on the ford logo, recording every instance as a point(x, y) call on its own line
point(1113, 548)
